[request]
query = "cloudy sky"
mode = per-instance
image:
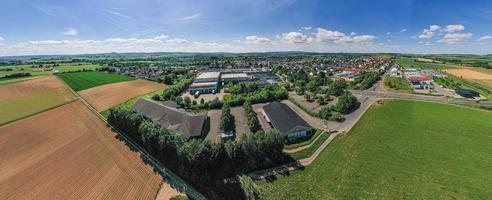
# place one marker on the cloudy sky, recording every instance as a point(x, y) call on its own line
point(30, 27)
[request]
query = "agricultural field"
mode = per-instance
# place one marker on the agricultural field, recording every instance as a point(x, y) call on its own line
point(84, 80)
point(46, 69)
point(42, 160)
point(399, 150)
point(409, 61)
point(479, 75)
point(16, 79)
point(106, 96)
point(25, 98)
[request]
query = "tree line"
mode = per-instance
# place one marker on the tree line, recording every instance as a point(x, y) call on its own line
point(202, 162)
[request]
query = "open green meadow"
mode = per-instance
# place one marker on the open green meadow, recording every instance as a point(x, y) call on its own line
point(84, 80)
point(400, 150)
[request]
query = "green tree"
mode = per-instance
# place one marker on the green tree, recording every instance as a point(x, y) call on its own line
point(251, 191)
point(346, 103)
point(226, 119)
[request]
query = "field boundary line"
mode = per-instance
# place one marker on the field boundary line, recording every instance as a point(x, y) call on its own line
point(172, 178)
point(39, 112)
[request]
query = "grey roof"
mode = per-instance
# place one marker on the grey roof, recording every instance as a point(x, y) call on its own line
point(284, 119)
point(173, 119)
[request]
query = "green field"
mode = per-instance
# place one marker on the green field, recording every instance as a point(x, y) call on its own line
point(21, 107)
point(400, 150)
point(15, 79)
point(409, 61)
point(84, 80)
point(47, 69)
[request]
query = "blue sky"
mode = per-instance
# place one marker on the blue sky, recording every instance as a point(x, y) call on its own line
point(95, 26)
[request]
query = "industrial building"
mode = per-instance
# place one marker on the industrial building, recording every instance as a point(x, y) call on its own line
point(206, 82)
point(179, 121)
point(467, 93)
point(286, 121)
point(235, 77)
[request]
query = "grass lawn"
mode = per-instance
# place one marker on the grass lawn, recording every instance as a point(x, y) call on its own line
point(400, 150)
point(21, 107)
point(303, 143)
point(84, 80)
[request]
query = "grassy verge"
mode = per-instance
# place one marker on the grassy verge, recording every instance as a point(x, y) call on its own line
point(399, 150)
point(309, 151)
point(304, 142)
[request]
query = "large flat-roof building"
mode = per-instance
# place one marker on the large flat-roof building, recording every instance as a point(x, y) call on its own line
point(235, 77)
point(206, 82)
point(286, 121)
point(179, 121)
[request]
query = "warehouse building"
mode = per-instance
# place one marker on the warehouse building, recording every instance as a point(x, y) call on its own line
point(206, 82)
point(286, 121)
point(235, 78)
point(175, 120)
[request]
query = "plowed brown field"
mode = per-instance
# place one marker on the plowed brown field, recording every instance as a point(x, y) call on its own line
point(106, 96)
point(69, 153)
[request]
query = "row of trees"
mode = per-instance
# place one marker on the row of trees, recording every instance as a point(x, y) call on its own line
point(227, 120)
point(366, 79)
point(240, 88)
point(202, 162)
point(174, 90)
point(267, 94)
point(253, 122)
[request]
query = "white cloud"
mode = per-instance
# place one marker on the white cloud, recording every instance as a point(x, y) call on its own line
point(296, 38)
point(454, 28)
point(481, 39)
point(403, 30)
point(191, 17)
point(388, 33)
point(71, 32)
point(324, 35)
point(307, 28)
point(1, 40)
point(452, 38)
point(434, 27)
point(429, 33)
point(253, 39)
